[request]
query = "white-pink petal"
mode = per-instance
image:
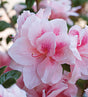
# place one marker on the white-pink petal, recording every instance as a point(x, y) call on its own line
point(46, 44)
point(49, 71)
point(59, 26)
point(21, 52)
point(30, 77)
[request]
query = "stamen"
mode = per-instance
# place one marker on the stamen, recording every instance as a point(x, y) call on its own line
point(36, 55)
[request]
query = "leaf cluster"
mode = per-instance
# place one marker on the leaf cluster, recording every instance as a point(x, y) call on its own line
point(7, 79)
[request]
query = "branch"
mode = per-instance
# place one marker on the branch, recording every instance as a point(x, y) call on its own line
point(8, 17)
point(37, 3)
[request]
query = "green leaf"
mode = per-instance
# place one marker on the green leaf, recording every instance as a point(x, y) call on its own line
point(14, 19)
point(4, 25)
point(69, 26)
point(82, 84)
point(66, 67)
point(0, 6)
point(2, 69)
point(9, 82)
point(8, 39)
point(29, 3)
point(10, 74)
point(78, 2)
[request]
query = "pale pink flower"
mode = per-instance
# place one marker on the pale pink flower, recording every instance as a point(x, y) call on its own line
point(60, 9)
point(42, 46)
point(79, 47)
point(61, 89)
point(26, 19)
point(26, 15)
point(47, 91)
point(13, 91)
point(37, 91)
point(22, 18)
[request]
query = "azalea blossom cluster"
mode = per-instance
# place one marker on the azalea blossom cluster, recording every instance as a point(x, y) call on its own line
point(50, 57)
point(40, 48)
point(59, 9)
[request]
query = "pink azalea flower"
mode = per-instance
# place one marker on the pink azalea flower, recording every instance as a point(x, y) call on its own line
point(13, 91)
point(61, 89)
point(79, 47)
point(44, 45)
point(26, 19)
point(60, 9)
point(22, 19)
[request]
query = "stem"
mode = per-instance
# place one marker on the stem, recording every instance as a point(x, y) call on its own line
point(82, 93)
point(37, 3)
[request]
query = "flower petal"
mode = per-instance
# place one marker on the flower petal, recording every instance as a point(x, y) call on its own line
point(57, 89)
point(75, 74)
point(36, 32)
point(22, 19)
point(27, 25)
point(21, 52)
point(46, 43)
point(49, 71)
point(63, 54)
point(59, 26)
point(30, 77)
